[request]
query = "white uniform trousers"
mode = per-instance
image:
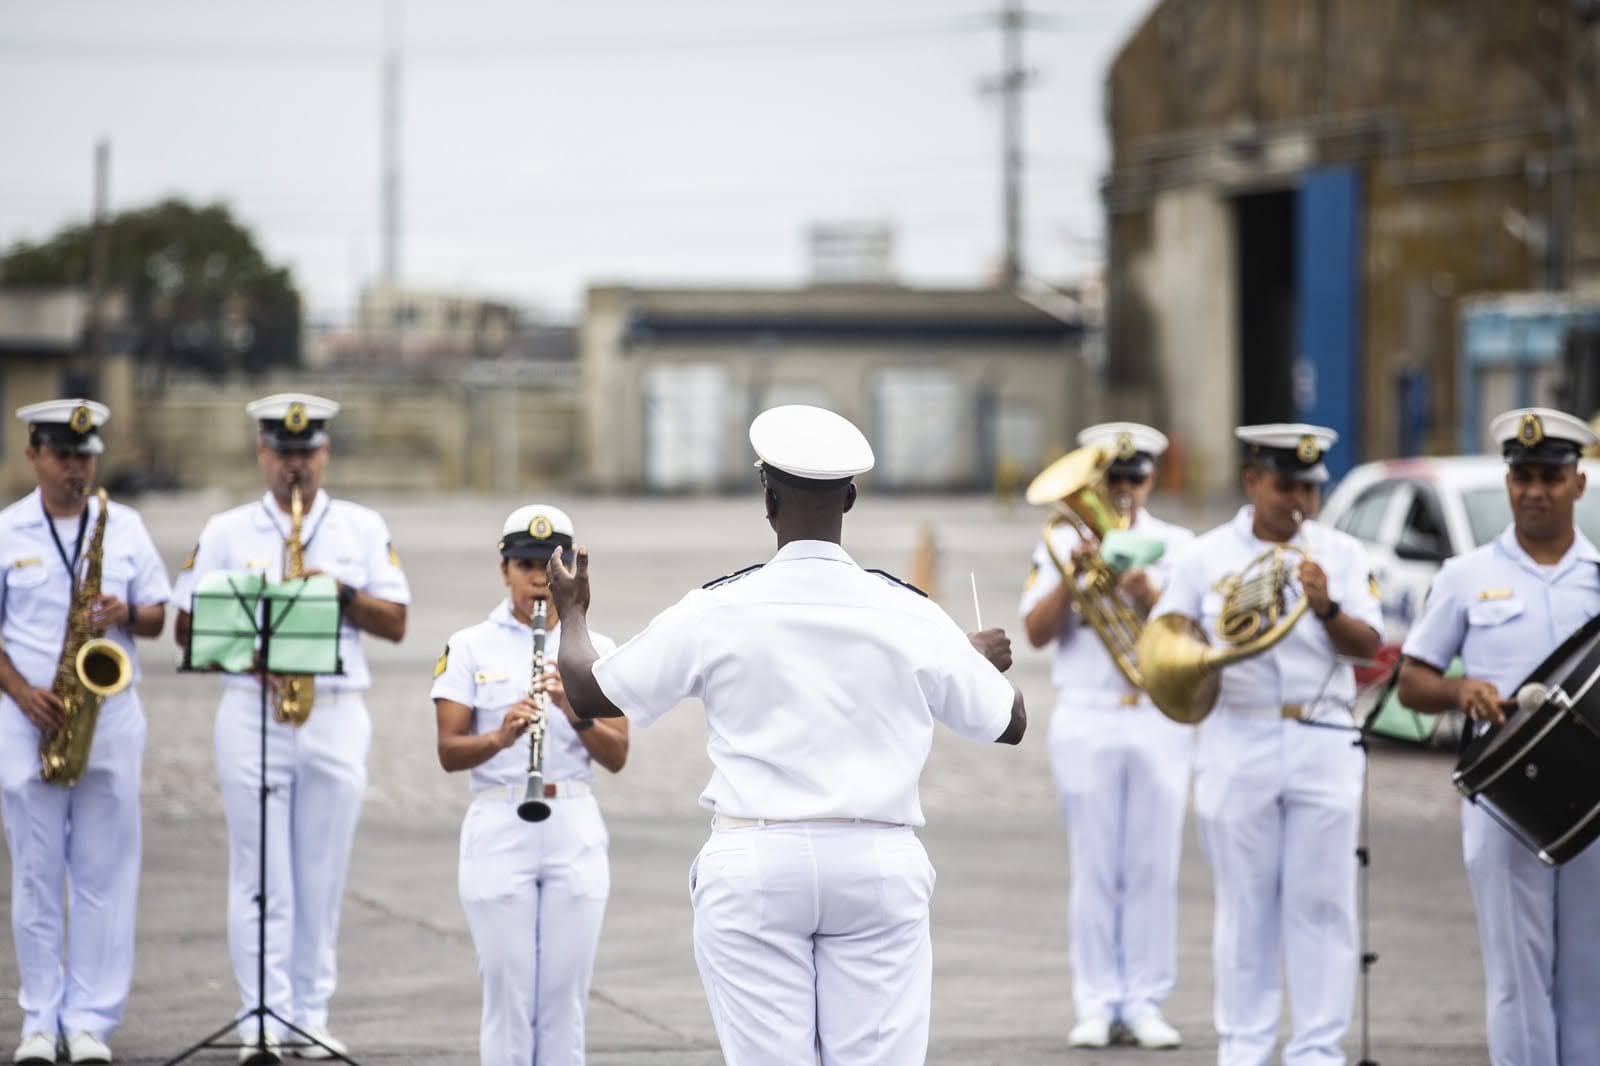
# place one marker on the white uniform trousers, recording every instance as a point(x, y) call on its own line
point(535, 897)
point(1540, 933)
point(1279, 809)
point(1122, 776)
point(316, 775)
point(74, 872)
point(812, 941)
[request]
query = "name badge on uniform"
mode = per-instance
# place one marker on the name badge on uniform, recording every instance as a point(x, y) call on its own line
point(255, 564)
point(484, 677)
point(32, 560)
point(1490, 595)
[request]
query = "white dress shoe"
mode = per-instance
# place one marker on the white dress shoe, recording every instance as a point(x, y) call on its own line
point(35, 1050)
point(1152, 1031)
point(1091, 1032)
point(322, 1036)
point(261, 1056)
point(86, 1047)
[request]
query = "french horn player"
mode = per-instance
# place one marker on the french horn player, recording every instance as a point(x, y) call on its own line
point(1261, 617)
point(79, 581)
point(1121, 768)
point(319, 732)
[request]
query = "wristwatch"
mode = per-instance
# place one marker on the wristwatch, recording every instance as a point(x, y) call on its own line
point(1333, 612)
point(347, 596)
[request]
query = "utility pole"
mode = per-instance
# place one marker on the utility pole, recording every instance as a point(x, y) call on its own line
point(1009, 85)
point(99, 252)
point(389, 193)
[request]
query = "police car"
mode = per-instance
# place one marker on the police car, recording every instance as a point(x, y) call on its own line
point(1413, 514)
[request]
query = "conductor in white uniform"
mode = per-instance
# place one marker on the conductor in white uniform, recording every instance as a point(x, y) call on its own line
point(821, 683)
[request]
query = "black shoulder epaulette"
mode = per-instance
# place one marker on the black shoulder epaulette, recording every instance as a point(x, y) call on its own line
point(735, 576)
point(903, 584)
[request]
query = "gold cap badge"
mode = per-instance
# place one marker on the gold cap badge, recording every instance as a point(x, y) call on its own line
point(82, 420)
point(1531, 432)
point(1308, 451)
point(295, 421)
point(1125, 447)
point(540, 527)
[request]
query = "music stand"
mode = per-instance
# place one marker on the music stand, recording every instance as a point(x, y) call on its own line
point(249, 627)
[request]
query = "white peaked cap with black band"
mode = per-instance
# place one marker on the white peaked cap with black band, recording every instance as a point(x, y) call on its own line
point(1293, 449)
point(293, 421)
point(810, 443)
point(66, 425)
point(536, 531)
point(1134, 446)
point(1541, 435)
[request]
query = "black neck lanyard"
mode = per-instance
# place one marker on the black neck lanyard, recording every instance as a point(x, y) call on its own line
point(305, 544)
point(61, 549)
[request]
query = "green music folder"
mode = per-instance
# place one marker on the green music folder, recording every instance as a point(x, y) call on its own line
point(304, 618)
point(223, 630)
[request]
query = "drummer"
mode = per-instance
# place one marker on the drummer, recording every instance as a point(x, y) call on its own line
point(1502, 609)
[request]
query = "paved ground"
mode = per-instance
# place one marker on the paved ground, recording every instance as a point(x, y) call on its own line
point(408, 983)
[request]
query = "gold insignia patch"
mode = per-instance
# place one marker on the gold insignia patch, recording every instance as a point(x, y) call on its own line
point(1125, 447)
point(443, 663)
point(1372, 583)
point(1307, 451)
point(540, 527)
point(484, 677)
point(32, 560)
point(295, 421)
point(1489, 595)
point(1531, 432)
point(1033, 579)
point(82, 420)
point(394, 556)
point(188, 560)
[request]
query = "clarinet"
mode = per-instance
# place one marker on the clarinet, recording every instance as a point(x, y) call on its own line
point(533, 808)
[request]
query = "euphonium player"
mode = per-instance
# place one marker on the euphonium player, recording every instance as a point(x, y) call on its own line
point(1278, 802)
point(73, 851)
point(317, 772)
point(1121, 770)
point(1502, 609)
point(534, 893)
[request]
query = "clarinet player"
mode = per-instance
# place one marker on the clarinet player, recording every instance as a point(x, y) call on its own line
point(527, 884)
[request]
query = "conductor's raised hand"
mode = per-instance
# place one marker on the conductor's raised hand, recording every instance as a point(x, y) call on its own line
point(569, 589)
point(994, 645)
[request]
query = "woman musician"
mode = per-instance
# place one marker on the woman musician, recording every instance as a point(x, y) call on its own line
point(534, 893)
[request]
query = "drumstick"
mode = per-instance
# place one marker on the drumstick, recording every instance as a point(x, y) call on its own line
point(975, 608)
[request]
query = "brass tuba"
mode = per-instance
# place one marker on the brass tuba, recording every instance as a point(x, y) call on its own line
point(1183, 672)
point(90, 670)
point(296, 692)
point(1074, 486)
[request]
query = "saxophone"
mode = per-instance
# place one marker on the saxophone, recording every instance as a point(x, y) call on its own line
point(296, 692)
point(90, 670)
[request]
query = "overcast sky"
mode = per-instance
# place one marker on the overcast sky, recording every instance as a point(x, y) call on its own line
point(547, 146)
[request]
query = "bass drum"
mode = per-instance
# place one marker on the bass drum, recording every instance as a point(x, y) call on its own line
point(1539, 773)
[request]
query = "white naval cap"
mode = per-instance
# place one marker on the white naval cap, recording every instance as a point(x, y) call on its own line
point(1541, 435)
point(811, 443)
point(536, 531)
point(292, 420)
point(1133, 446)
point(66, 425)
point(1293, 449)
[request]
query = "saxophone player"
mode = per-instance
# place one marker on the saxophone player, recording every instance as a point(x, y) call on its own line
point(1278, 803)
point(316, 771)
point(82, 840)
point(534, 893)
point(1121, 770)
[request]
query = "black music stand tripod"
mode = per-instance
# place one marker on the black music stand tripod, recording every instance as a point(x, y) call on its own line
point(266, 617)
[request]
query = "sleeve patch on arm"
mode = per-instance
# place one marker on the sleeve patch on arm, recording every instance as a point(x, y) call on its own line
point(443, 664)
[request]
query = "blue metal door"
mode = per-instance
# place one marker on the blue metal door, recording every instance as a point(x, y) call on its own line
point(1327, 379)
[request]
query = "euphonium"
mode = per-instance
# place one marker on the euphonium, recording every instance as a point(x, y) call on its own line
point(296, 692)
point(91, 668)
point(533, 808)
point(1182, 671)
point(1074, 486)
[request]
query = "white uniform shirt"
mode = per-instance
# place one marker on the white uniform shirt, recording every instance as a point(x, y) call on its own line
point(1302, 667)
point(36, 590)
point(344, 540)
point(1082, 663)
point(821, 683)
point(1502, 612)
point(489, 667)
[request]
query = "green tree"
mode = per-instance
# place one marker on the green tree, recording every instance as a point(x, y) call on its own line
point(200, 293)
